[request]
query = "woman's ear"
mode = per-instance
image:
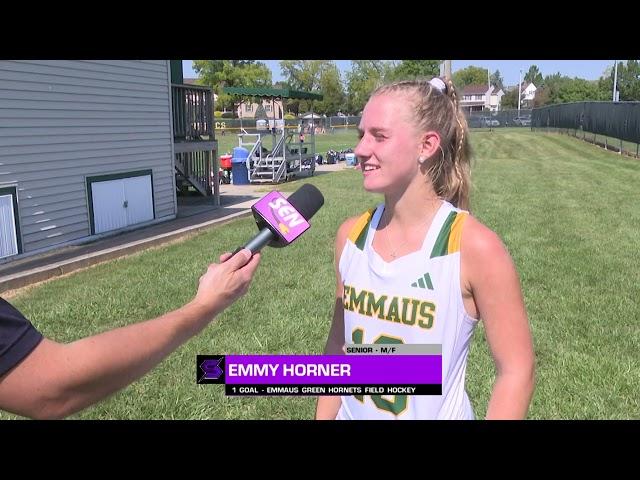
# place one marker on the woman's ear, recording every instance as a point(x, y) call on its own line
point(430, 144)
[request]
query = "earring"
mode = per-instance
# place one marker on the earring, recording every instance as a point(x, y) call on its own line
point(421, 160)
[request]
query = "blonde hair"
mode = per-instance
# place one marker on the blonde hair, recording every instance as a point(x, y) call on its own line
point(438, 110)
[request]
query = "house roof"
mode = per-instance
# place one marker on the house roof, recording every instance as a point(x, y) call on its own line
point(474, 89)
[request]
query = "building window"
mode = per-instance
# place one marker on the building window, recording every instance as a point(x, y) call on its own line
point(248, 107)
point(267, 108)
point(10, 243)
point(479, 97)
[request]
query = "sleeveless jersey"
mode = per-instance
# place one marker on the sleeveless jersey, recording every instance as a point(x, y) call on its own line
point(415, 298)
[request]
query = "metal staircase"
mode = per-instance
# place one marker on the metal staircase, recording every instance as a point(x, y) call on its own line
point(272, 167)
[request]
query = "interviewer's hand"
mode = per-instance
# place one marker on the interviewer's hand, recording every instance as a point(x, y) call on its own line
point(223, 283)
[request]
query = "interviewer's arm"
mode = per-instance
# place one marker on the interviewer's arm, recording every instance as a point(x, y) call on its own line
point(56, 380)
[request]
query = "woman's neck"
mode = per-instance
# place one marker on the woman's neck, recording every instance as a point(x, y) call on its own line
point(414, 204)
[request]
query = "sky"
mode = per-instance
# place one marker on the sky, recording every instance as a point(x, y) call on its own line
point(509, 69)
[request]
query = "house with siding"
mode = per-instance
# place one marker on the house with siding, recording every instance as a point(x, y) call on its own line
point(476, 98)
point(93, 148)
point(272, 108)
point(527, 94)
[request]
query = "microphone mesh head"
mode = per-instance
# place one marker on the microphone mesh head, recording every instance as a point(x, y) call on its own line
point(307, 200)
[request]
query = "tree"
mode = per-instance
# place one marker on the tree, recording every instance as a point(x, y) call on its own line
point(533, 76)
point(231, 73)
point(509, 99)
point(548, 89)
point(558, 88)
point(470, 76)
point(414, 69)
point(605, 83)
point(365, 76)
point(309, 76)
point(628, 84)
point(496, 79)
point(302, 74)
point(541, 98)
point(628, 81)
point(578, 90)
point(332, 90)
point(551, 85)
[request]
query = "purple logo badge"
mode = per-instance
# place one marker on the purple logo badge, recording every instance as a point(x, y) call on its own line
point(282, 216)
point(211, 369)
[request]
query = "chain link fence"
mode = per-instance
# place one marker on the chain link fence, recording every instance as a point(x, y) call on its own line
point(499, 119)
point(323, 125)
point(482, 120)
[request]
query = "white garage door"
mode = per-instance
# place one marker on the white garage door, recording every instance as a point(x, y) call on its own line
point(137, 194)
point(108, 211)
point(121, 203)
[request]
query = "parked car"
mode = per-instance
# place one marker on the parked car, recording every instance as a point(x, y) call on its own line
point(523, 121)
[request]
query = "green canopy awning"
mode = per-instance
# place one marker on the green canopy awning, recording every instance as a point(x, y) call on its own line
point(272, 93)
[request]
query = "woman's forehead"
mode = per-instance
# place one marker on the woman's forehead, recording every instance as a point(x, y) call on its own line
point(385, 111)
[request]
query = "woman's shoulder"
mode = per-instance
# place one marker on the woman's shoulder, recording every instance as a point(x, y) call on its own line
point(477, 238)
point(481, 248)
point(353, 227)
point(347, 226)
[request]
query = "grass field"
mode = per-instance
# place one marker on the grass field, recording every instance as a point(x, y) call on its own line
point(567, 211)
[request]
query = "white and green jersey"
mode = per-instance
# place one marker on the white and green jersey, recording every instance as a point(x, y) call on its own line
point(413, 299)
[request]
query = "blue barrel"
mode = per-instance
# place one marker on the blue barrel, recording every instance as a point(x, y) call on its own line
point(239, 171)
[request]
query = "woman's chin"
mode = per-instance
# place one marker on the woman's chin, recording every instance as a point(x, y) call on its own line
point(373, 185)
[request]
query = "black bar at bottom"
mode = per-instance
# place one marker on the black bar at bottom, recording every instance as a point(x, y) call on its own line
point(320, 390)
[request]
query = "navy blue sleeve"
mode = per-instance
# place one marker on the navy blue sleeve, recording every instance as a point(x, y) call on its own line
point(17, 337)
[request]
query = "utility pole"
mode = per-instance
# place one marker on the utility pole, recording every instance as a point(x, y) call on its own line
point(447, 68)
point(519, 92)
point(615, 82)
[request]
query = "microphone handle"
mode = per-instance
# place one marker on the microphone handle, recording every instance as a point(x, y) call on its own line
point(258, 242)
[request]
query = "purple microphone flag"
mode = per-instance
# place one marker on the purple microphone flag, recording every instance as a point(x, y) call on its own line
point(281, 216)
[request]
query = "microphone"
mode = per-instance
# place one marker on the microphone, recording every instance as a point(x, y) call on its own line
point(282, 220)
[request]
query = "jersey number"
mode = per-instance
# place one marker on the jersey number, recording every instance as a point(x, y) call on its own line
point(399, 403)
